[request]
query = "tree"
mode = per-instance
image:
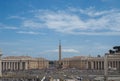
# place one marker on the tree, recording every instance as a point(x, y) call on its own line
point(98, 56)
point(111, 51)
point(117, 49)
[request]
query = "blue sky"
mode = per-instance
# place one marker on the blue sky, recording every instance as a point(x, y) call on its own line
point(34, 27)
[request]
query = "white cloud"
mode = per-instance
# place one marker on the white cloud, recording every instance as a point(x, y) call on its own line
point(96, 33)
point(32, 24)
point(70, 50)
point(76, 21)
point(16, 17)
point(10, 27)
point(28, 32)
point(2, 26)
point(107, 0)
point(65, 50)
point(95, 13)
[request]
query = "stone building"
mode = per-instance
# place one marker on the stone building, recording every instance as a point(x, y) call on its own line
point(94, 63)
point(65, 62)
point(113, 61)
point(79, 62)
point(13, 63)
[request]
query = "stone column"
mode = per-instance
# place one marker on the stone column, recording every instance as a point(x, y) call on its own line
point(102, 65)
point(6, 65)
point(92, 65)
point(99, 65)
point(0, 63)
point(14, 65)
point(119, 67)
point(117, 64)
point(112, 63)
point(17, 66)
point(26, 65)
point(95, 65)
point(21, 65)
point(87, 65)
point(108, 64)
point(9, 65)
point(2, 66)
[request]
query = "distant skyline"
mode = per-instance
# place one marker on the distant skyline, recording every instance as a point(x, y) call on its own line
point(34, 27)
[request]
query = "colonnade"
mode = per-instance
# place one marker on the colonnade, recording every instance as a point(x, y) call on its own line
point(96, 65)
point(114, 64)
point(15, 65)
point(99, 65)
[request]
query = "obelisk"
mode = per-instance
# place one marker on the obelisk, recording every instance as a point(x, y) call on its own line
point(60, 63)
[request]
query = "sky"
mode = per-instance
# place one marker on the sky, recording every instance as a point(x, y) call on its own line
point(34, 27)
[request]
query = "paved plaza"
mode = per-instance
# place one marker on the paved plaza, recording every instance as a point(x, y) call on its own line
point(59, 75)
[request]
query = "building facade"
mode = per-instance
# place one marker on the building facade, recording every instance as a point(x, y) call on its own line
point(93, 63)
point(14, 63)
